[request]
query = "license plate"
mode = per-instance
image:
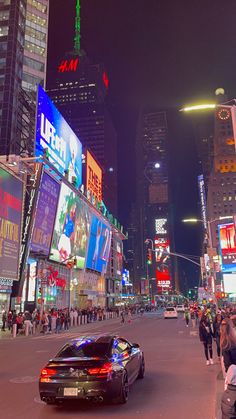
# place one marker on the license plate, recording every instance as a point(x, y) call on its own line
point(70, 391)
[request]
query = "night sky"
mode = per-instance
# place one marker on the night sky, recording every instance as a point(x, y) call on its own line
point(163, 53)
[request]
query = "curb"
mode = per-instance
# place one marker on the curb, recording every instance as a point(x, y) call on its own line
point(219, 391)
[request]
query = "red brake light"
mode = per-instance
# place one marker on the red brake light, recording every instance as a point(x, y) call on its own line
point(47, 372)
point(103, 370)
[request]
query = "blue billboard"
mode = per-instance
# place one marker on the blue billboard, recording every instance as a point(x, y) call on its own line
point(53, 134)
point(99, 245)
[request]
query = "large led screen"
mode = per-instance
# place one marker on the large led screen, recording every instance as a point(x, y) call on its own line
point(11, 201)
point(64, 149)
point(93, 177)
point(227, 239)
point(72, 226)
point(99, 245)
point(45, 215)
point(229, 283)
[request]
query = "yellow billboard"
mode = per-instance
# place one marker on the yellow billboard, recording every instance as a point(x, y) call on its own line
point(93, 177)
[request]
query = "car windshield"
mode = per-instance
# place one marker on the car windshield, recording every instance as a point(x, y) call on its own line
point(84, 349)
point(170, 309)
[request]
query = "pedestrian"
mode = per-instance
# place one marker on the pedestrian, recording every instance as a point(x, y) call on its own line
point(9, 320)
point(193, 317)
point(4, 320)
point(205, 335)
point(129, 315)
point(122, 317)
point(58, 324)
point(228, 400)
point(228, 342)
point(216, 328)
point(186, 316)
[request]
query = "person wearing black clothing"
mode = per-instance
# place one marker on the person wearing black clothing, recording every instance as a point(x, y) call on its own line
point(216, 328)
point(205, 336)
point(228, 342)
point(228, 400)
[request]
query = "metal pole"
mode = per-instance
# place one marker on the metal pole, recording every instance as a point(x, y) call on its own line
point(212, 267)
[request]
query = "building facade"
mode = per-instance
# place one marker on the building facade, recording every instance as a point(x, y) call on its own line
point(23, 54)
point(150, 224)
point(79, 91)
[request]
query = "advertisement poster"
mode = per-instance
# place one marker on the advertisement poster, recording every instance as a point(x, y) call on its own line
point(11, 201)
point(64, 150)
point(99, 245)
point(93, 177)
point(227, 239)
point(45, 215)
point(72, 226)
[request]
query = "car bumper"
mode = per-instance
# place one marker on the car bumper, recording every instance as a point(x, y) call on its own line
point(101, 389)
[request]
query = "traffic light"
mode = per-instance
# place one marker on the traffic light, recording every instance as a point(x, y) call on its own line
point(149, 256)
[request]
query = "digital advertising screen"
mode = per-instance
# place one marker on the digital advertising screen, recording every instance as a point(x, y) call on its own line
point(99, 245)
point(72, 226)
point(45, 215)
point(64, 150)
point(11, 209)
point(227, 240)
point(229, 283)
point(93, 177)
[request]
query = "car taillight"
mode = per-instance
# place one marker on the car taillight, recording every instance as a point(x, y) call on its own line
point(103, 370)
point(47, 372)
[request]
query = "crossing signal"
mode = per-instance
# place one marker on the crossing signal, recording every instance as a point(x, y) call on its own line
point(71, 263)
point(149, 256)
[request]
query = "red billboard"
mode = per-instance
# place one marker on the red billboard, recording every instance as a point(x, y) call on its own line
point(227, 239)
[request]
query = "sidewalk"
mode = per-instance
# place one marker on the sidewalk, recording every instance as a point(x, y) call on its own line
point(83, 322)
point(219, 391)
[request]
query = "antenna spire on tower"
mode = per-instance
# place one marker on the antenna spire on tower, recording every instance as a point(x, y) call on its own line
point(77, 28)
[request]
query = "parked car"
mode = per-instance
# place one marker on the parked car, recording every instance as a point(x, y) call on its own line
point(180, 308)
point(170, 313)
point(92, 368)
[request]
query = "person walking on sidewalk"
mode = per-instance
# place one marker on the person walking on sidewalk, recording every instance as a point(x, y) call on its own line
point(228, 342)
point(205, 336)
point(228, 400)
point(186, 316)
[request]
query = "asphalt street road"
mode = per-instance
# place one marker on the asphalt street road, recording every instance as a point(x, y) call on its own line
point(177, 385)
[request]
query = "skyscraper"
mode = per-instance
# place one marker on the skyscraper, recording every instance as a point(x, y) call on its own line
point(221, 198)
point(23, 52)
point(152, 215)
point(79, 88)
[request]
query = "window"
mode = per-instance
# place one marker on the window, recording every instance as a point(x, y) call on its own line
point(82, 348)
point(3, 31)
point(120, 346)
point(36, 65)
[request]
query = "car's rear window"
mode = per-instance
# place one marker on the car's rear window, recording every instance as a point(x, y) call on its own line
point(84, 349)
point(170, 309)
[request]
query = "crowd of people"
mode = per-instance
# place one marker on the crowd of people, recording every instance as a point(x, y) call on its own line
point(53, 320)
point(218, 326)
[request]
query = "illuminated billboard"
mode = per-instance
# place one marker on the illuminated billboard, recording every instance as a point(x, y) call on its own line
point(93, 177)
point(45, 215)
point(227, 240)
point(162, 249)
point(229, 283)
point(99, 245)
point(11, 208)
point(72, 226)
point(161, 226)
point(53, 134)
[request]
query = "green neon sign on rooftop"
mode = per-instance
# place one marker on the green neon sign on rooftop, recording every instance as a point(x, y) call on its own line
point(77, 28)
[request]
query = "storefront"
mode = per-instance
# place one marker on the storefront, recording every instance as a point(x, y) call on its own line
point(87, 290)
point(5, 292)
point(53, 285)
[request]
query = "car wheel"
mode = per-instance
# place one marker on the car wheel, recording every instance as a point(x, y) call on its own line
point(124, 391)
point(141, 369)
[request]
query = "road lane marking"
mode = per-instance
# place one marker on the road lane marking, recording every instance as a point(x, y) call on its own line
point(24, 380)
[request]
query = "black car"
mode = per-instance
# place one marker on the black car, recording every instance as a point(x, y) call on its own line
point(92, 368)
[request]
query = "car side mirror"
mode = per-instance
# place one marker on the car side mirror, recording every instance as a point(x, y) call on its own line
point(135, 345)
